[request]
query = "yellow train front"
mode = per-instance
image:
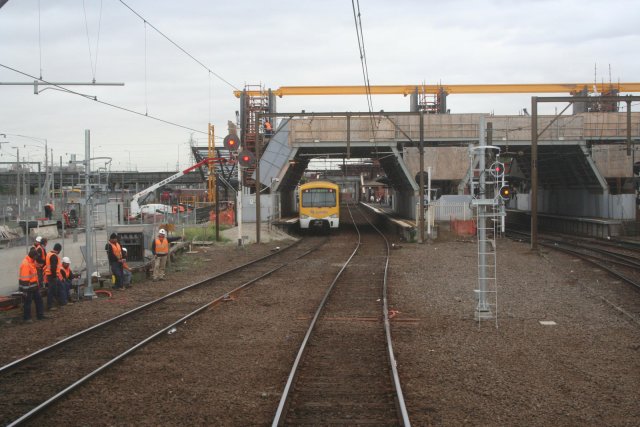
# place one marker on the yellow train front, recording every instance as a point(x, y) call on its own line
point(319, 205)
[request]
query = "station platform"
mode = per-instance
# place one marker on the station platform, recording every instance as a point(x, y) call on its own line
point(585, 226)
point(405, 228)
point(289, 224)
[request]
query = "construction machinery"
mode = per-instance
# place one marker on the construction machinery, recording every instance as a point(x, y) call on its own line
point(135, 208)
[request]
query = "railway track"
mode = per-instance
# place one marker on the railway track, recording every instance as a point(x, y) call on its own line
point(621, 261)
point(34, 382)
point(345, 370)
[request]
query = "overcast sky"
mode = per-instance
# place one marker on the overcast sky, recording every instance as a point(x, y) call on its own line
point(281, 43)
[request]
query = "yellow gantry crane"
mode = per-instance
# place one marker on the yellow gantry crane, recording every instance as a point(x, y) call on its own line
point(571, 88)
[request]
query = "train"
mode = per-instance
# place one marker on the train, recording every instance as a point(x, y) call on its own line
point(319, 205)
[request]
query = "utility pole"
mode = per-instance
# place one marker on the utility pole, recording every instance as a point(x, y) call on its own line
point(88, 290)
point(46, 171)
point(421, 202)
point(258, 141)
point(483, 310)
point(534, 173)
point(18, 201)
point(239, 200)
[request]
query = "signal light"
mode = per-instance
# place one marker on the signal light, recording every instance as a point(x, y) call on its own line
point(231, 142)
point(497, 169)
point(505, 192)
point(246, 159)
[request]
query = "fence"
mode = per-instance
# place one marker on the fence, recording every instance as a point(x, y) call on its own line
point(447, 211)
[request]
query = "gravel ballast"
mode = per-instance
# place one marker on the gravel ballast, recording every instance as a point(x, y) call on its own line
point(224, 367)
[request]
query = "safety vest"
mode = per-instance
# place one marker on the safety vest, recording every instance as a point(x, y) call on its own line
point(47, 266)
point(42, 253)
point(162, 247)
point(117, 251)
point(67, 272)
point(267, 126)
point(28, 273)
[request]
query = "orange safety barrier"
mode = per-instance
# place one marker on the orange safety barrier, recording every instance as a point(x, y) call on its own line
point(463, 227)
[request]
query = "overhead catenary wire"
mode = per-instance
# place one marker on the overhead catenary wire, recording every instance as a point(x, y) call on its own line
point(94, 64)
point(178, 46)
point(146, 99)
point(361, 51)
point(95, 98)
point(39, 38)
point(355, 4)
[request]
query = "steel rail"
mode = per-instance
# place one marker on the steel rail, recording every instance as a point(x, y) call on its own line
point(595, 246)
point(595, 261)
point(100, 325)
point(591, 259)
point(293, 374)
point(402, 407)
point(76, 384)
point(284, 399)
point(617, 258)
point(614, 257)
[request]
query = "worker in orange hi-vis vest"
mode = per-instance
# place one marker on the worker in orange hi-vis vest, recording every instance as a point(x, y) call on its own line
point(40, 246)
point(160, 249)
point(65, 277)
point(114, 252)
point(30, 287)
point(49, 208)
point(51, 270)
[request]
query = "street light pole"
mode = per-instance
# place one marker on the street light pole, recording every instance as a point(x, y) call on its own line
point(88, 290)
point(18, 183)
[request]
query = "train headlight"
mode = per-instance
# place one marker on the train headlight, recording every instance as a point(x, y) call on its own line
point(303, 216)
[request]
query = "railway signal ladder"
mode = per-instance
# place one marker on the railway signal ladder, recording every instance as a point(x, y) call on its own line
point(489, 214)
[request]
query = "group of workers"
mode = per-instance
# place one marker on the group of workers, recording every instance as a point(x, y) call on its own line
point(40, 269)
point(118, 259)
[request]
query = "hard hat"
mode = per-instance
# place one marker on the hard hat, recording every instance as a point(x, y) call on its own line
point(66, 260)
point(124, 250)
point(162, 232)
point(39, 239)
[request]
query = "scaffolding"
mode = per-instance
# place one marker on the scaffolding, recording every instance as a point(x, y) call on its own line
point(432, 103)
point(254, 101)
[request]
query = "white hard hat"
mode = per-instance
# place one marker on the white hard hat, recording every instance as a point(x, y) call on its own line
point(39, 239)
point(66, 260)
point(124, 250)
point(162, 232)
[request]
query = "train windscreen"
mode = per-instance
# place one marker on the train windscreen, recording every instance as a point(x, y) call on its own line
point(318, 198)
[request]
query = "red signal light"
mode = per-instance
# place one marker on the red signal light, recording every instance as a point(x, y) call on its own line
point(246, 159)
point(497, 169)
point(231, 142)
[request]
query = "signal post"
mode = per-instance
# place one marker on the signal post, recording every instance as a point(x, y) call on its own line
point(244, 159)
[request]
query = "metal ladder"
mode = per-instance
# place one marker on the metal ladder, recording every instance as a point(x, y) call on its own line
point(488, 216)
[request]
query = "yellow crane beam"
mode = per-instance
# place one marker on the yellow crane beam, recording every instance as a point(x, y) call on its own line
point(405, 90)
